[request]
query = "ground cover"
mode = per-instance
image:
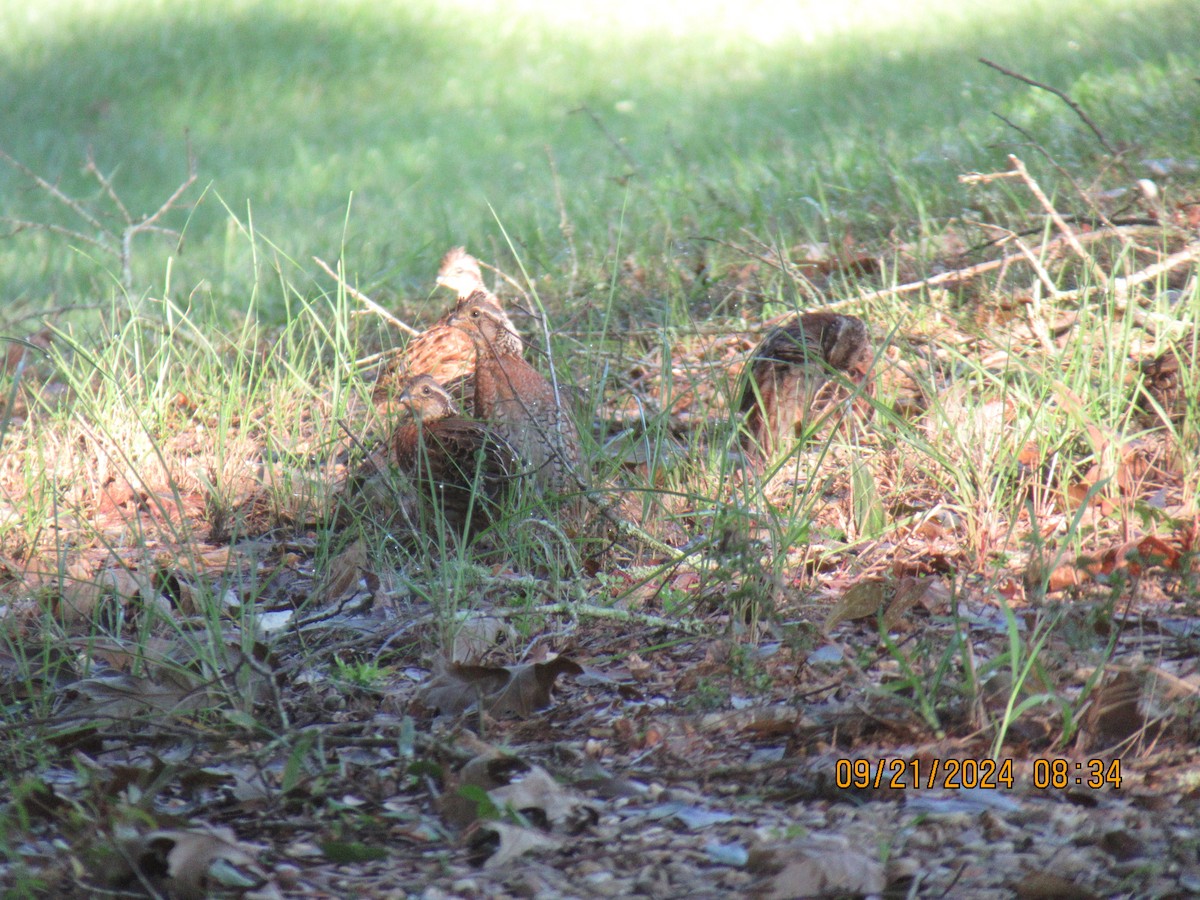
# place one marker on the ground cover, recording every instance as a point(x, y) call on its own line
point(715, 680)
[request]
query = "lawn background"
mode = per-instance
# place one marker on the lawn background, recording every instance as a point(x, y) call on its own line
point(388, 131)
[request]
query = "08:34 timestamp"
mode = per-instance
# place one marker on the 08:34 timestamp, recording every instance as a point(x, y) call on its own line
point(897, 773)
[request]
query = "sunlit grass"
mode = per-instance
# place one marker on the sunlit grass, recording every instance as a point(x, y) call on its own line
point(428, 121)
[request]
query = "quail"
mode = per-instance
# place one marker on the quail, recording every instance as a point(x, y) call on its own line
point(1165, 379)
point(459, 271)
point(440, 351)
point(517, 400)
point(800, 371)
point(459, 468)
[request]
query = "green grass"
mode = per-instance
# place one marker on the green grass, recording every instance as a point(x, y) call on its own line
point(602, 158)
point(792, 121)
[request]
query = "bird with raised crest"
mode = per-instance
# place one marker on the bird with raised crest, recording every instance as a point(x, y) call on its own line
point(517, 400)
point(459, 271)
point(443, 352)
point(800, 372)
point(459, 468)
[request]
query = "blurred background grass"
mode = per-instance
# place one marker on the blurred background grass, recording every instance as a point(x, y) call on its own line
point(389, 130)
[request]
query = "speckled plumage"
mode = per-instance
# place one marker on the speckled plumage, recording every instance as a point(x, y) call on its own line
point(442, 352)
point(460, 468)
point(798, 372)
point(1164, 381)
point(518, 401)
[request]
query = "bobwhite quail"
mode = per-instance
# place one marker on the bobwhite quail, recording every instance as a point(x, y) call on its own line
point(459, 271)
point(519, 402)
point(1165, 381)
point(800, 371)
point(459, 468)
point(442, 352)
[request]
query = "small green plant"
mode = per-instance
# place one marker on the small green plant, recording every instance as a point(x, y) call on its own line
point(360, 673)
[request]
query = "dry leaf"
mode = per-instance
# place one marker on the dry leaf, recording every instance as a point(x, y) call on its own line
point(509, 842)
point(512, 783)
point(1115, 714)
point(192, 865)
point(859, 602)
point(478, 634)
point(80, 598)
point(346, 573)
point(815, 866)
point(125, 696)
point(552, 805)
point(503, 690)
point(929, 591)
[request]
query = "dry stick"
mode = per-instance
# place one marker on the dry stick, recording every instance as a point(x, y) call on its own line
point(1100, 214)
point(365, 300)
point(1034, 262)
point(1061, 95)
point(1033, 310)
point(120, 246)
point(58, 195)
point(1067, 231)
point(969, 272)
point(1121, 286)
point(146, 223)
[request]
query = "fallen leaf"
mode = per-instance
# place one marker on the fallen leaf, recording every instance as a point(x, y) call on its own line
point(1048, 886)
point(195, 864)
point(1115, 711)
point(477, 634)
point(930, 592)
point(814, 866)
point(499, 843)
point(502, 690)
point(861, 601)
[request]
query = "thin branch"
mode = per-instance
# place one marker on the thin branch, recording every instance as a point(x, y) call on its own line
point(365, 300)
point(1067, 231)
point(106, 183)
point(1095, 207)
point(1061, 95)
point(20, 225)
point(170, 202)
point(74, 205)
point(119, 245)
point(1034, 262)
point(620, 148)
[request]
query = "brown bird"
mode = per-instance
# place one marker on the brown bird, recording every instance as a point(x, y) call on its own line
point(799, 372)
point(460, 272)
point(442, 352)
point(519, 402)
point(460, 468)
point(1165, 379)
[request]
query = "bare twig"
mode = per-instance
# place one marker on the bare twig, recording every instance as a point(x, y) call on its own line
point(106, 239)
point(1034, 262)
point(620, 148)
point(964, 274)
point(70, 202)
point(1059, 222)
point(364, 299)
point(1061, 95)
point(565, 227)
point(1095, 207)
point(1121, 286)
